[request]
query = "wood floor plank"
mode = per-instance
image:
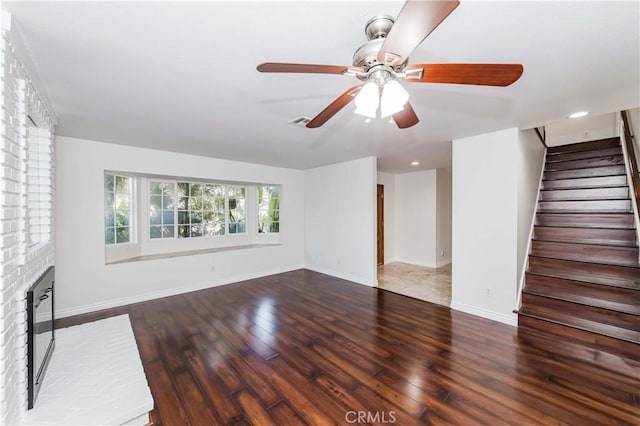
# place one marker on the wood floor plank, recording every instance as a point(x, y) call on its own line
point(305, 348)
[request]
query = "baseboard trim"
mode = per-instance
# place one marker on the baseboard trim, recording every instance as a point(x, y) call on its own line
point(114, 303)
point(508, 319)
point(438, 264)
point(348, 277)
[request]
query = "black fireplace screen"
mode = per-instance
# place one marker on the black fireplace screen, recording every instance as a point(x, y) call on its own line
point(40, 331)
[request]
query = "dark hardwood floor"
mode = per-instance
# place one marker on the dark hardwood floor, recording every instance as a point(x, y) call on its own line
point(306, 348)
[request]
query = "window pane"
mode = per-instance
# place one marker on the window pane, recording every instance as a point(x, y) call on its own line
point(183, 189)
point(122, 218)
point(184, 231)
point(109, 200)
point(155, 218)
point(183, 217)
point(167, 202)
point(109, 183)
point(122, 234)
point(155, 232)
point(154, 188)
point(168, 231)
point(109, 218)
point(122, 184)
point(167, 217)
point(109, 236)
point(156, 202)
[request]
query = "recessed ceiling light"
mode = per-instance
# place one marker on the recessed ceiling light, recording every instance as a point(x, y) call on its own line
point(578, 114)
point(415, 163)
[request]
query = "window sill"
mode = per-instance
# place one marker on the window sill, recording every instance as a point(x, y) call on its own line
point(189, 253)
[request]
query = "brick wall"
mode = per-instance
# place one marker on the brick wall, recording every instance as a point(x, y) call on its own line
point(20, 264)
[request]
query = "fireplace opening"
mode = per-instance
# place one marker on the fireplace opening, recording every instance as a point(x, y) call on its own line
point(40, 331)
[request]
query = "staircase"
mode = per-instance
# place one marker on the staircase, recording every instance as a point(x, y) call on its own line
point(582, 285)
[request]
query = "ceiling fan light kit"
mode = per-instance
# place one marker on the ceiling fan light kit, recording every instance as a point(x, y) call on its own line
point(384, 58)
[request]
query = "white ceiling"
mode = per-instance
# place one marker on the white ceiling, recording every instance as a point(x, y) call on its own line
point(181, 76)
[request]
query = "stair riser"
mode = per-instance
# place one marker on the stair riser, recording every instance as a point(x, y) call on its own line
point(627, 256)
point(625, 237)
point(584, 194)
point(584, 173)
point(593, 220)
point(606, 297)
point(581, 155)
point(584, 146)
point(596, 341)
point(585, 182)
point(613, 275)
point(549, 308)
point(622, 206)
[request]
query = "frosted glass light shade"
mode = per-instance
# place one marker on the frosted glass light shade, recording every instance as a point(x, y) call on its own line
point(367, 100)
point(394, 96)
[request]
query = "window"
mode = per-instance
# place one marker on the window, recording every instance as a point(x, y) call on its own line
point(117, 209)
point(268, 209)
point(195, 209)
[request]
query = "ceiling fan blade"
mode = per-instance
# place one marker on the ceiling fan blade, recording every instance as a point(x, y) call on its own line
point(477, 74)
point(414, 23)
point(406, 118)
point(335, 106)
point(302, 68)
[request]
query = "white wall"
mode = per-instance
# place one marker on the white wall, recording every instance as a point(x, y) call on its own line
point(530, 163)
point(389, 182)
point(443, 219)
point(340, 220)
point(416, 234)
point(588, 128)
point(485, 222)
point(85, 283)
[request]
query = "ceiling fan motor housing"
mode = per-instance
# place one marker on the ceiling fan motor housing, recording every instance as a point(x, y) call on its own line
point(366, 57)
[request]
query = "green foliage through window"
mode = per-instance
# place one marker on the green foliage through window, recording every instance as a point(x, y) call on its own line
point(268, 209)
point(117, 209)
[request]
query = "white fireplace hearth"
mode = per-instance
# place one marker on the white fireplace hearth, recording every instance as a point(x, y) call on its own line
point(95, 377)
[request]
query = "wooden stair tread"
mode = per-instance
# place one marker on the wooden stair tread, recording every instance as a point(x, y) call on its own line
point(607, 297)
point(589, 172)
point(580, 299)
point(585, 182)
point(593, 253)
point(587, 219)
point(628, 369)
point(621, 333)
point(577, 211)
point(578, 194)
point(581, 155)
point(612, 275)
point(584, 146)
point(586, 235)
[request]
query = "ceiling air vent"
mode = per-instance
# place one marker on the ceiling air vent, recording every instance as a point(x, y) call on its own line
point(300, 121)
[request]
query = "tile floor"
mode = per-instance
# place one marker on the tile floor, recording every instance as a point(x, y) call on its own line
point(432, 285)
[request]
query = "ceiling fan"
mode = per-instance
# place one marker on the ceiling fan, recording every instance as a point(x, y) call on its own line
point(384, 58)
